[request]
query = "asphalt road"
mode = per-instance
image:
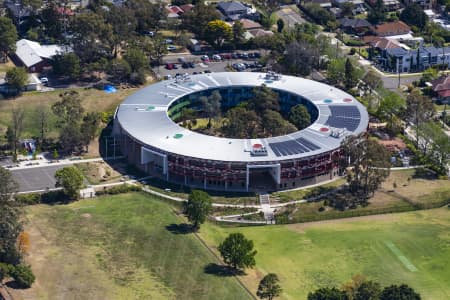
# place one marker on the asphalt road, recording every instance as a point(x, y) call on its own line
point(34, 179)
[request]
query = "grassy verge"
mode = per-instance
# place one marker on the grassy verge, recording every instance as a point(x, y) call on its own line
point(309, 256)
point(308, 192)
point(128, 246)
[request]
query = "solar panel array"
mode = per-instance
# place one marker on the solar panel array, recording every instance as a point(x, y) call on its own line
point(347, 117)
point(292, 147)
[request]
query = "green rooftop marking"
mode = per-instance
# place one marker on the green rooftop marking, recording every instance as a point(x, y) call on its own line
point(150, 107)
point(400, 256)
point(178, 136)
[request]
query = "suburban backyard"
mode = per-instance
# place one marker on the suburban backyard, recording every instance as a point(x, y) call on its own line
point(135, 246)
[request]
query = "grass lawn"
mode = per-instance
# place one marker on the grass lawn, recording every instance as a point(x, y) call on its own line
point(308, 256)
point(92, 100)
point(397, 194)
point(119, 247)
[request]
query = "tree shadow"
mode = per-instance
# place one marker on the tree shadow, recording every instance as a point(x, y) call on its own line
point(12, 284)
point(221, 270)
point(182, 228)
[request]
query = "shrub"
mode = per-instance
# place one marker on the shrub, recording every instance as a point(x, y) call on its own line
point(120, 189)
point(352, 51)
point(28, 199)
point(23, 276)
point(5, 270)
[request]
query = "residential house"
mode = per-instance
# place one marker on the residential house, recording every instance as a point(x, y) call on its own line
point(198, 46)
point(441, 87)
point(388, 29)
point(412, 60)
point(33, 84)
point(355, 26)
point(232, 10)
point(323, 3)
point(390, 5)
point(186, 7)
point(424, 4)
point(358, 5)
point(250, 25)
point(258, 33)
point(34, 56)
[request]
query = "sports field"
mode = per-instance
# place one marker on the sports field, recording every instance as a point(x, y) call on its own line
point(411, 248)
point(119, 247)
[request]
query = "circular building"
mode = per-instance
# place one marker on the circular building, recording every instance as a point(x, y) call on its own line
point(152, 141)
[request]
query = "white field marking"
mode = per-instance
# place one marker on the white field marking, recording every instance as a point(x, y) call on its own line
point(400, 256)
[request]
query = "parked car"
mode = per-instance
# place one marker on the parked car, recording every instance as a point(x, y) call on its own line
point(244, 55)
point(149, 33)
point(191, 65)
point(207, 71)
point(181, 59)
point(168, 41)
point(171, 48)
point(216, 57)
point(169, 66)
point(204, 58)
point(257, 54)
point(226, 55)
point(235, 55)
point(44, 80)
point(185, 65)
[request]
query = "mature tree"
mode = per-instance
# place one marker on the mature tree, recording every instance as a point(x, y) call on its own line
point(241, 123)
point(347, 9)
point(274, 124)
point(211, 106)
point(319, 14)
point(402, 292)
point(89, 127)
point(378, 13)
point(16, 78)
point(280, 25)
point(69, 109)
point(264, 98)
point(419, 109)
point(238, 32)
point(8, 37)
point(237, 251)
point(391, 107)
point(435, 145)
point(147, 14)
point(300, 58)
point(269, 5)
point(67, 65)
point(327, 293)
point(43, 114)
point(336, 71)
point(196, 20)
point(53, 24)
point(16, 128)
point(414, 15)
point(299, 116)
point(198, 207)
point(119, 69)
point(351, 79)
point(269, 287)
point(155, 48)
point(372, 80)
point(123, 25)
point(368, 290)
point(136, 58)
point(10, 227)
point(92, 37)
point(368, 164)
point(218, 32)
point(71, 180)
point(71, 138)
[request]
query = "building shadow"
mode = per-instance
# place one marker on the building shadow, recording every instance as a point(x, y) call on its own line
point(221, 270)
point(182, 228)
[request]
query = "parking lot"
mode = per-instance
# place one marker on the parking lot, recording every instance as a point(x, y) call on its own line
point(34, 179)
point(193, 64)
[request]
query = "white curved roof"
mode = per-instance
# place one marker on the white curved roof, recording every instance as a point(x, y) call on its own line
point(143, 115)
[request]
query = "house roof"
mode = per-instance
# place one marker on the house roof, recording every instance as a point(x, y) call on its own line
point(249, 24)
point(441, 84)
point(260, 32)
point(32, 53)
point(231, 6)
point(175, 9)
point(187, 7)
point(391, 28)
point(384, 43)
point(354, 23)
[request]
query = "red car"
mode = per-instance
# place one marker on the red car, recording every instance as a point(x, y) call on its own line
point(226, 55)
point(169, 66)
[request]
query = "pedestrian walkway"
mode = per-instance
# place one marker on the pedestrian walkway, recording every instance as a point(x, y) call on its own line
point(264, 201)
